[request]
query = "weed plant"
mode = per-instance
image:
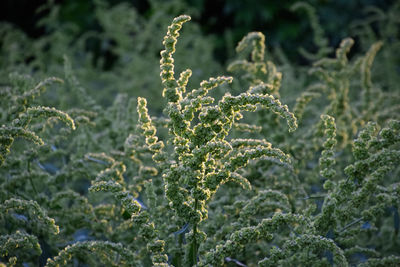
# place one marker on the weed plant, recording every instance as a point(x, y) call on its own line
point(232, 177)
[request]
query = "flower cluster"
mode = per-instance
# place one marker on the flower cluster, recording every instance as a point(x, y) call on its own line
point(204, 184)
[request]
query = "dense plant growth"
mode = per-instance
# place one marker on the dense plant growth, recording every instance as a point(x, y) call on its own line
point(223, 174)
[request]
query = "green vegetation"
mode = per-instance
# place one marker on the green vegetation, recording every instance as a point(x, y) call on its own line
point(275, 165)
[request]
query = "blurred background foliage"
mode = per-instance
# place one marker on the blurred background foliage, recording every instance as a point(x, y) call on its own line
point(118, 42)
point(230, 20)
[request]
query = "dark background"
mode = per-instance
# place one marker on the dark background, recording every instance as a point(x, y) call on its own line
point(272, 17)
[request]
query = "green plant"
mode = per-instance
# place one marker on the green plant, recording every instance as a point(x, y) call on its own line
point(205, 184)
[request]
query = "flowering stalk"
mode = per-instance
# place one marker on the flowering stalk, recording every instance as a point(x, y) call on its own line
point(203, 157)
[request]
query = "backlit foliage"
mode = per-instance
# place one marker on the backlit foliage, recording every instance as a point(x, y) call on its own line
point(231, 179)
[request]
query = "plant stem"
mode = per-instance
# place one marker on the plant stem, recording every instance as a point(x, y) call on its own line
point(351, 224)
point(30, 178)
point(194, 243)
point(179, 258)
